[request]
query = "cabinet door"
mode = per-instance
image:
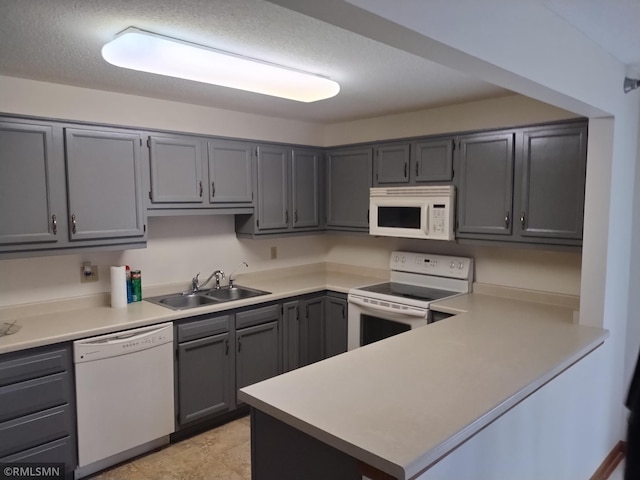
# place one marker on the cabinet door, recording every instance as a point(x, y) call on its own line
point(392, 164)
point(485, 184)
point(291, 335)
point(27, 212)
point(176, 169)
point(305, 177)
point(432, 161)
point(229, 172)
point(335, 327)
point(104, 184)
point(257, 354)
point(553, 179)
point(273, 188)
point(349, 175)
point(312, 331)
point(203, 378)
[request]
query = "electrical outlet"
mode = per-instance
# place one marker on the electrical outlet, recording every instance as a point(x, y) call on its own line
point(274, 253)
point(88, 273)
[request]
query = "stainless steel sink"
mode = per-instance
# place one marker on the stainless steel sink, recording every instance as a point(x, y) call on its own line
point(181, 301)
point(226, 294)
point(177, 301)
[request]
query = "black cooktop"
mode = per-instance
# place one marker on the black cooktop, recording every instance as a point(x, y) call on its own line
point(408, 291)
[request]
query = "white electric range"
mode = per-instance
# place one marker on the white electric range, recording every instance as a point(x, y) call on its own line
point(417, 279)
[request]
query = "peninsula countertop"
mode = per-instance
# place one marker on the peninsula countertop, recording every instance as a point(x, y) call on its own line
point(401, 404)
point(52, 322)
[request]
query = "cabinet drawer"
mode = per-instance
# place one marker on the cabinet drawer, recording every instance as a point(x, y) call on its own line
point(33, 430)
point(257, 316)
point(62, 450)
point(34, 395)
point(203, 328)
point(16, 367)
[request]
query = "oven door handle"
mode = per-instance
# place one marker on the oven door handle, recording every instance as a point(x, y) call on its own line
point(382, 308)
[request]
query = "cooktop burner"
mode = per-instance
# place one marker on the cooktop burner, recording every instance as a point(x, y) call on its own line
point(408, 291)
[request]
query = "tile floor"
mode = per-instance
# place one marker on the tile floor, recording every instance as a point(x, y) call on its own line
point(223, 453)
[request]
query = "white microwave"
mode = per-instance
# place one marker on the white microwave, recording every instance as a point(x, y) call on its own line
point(412, 212)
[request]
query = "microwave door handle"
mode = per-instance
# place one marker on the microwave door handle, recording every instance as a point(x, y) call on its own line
point(382, 308)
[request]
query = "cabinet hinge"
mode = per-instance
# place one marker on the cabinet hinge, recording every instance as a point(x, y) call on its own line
point(149, 142)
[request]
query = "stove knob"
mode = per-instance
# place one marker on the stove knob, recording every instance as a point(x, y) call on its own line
point(396, 258)
point(452, 265)
point(461, 265)
point(403, 259)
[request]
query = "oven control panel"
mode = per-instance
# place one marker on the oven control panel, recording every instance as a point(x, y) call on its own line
point(425, 263)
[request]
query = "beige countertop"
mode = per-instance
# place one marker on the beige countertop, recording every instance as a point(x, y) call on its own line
point(53, 322)
point(401, 404)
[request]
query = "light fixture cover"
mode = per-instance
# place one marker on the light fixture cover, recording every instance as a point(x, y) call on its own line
point(148, 52)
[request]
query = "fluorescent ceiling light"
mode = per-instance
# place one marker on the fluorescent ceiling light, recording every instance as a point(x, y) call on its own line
point(148, 52)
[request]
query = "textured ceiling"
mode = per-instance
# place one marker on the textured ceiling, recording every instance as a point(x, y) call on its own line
point(60, 40)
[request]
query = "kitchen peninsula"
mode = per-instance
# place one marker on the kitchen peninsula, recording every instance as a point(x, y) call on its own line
point(394, 408)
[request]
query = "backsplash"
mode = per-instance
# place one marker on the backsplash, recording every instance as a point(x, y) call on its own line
point(180, 247)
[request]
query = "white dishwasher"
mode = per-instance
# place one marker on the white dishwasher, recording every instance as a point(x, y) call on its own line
point(124, 395)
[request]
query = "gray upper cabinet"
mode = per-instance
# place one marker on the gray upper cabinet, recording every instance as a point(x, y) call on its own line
point(349, 176)
point(32, 197)
point(485, 189)
point(176, 169)
point(432, 160)
point(305, 188)
point(104, 180)
point(287, 185)
point(229, 173)
point(392, 164)
point(524, 185)
point(425, 161)
point(273, 191)
point(552, 186)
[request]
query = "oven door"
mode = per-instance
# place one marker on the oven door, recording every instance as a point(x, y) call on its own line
point(371, 320)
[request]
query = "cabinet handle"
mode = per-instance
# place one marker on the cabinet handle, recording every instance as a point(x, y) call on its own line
point(406, 166)
point(239, 344)
point(507, 220)
point(343, 312)
point(286, 216)
point(523, 221)
point(367, 215)
point(417, 169)
point(226, 347)
point(73, 223)
point(54, 224)
point(295, 216)
point(213, 189)
point(306, 311)
point(200, 188)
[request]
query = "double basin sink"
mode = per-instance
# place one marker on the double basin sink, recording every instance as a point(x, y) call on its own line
point(213, 296)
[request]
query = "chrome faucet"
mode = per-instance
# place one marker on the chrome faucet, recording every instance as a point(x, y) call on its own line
point(196, 286)
point(231, 279)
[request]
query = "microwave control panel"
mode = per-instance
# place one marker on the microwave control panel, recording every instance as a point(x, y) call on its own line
point(440, 265)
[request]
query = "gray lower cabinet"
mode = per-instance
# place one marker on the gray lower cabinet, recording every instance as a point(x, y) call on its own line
point(523, 185)
point(258, 354)
point(38, 419)
point(314, 328)
point(204, 369)
point(349, 178)
point(335, 324)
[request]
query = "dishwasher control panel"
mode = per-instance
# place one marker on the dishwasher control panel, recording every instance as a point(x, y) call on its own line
point(122, 343)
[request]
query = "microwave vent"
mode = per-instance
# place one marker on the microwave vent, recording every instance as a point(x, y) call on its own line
point(433, 191)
